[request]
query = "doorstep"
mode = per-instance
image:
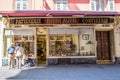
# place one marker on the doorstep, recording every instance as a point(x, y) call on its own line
point(104, 62)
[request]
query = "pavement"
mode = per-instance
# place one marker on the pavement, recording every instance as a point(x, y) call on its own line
point(63, 72)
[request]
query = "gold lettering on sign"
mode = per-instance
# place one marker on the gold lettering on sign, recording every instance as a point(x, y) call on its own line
point(70, 21)
point(28, 21)
point(97, 20)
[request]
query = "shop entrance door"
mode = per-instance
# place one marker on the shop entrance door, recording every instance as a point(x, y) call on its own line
point(103, 45)
point(41, 49)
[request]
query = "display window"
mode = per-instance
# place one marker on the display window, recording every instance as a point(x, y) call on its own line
point(87, 45)
point(26, 42)
point(23, 37)
point(63, 45)
point(76, 42)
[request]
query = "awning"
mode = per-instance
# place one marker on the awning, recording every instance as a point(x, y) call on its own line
point(57, 13)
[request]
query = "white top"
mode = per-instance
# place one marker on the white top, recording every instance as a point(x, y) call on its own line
point(19, 51)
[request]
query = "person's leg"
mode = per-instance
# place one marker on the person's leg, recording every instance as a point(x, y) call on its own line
point(17, 62)
point(20, 62)
point(10, 62)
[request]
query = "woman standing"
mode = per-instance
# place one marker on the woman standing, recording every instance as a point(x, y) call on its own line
point(19, 53)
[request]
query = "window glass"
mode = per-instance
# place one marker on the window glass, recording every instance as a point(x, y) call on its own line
point(18, 6)
point(111, 5)
point(79, 42)
point(63, 45)
point(21, 4)
point(93, 5)
point(61, 4)
point(22, 37)
point(24, 6)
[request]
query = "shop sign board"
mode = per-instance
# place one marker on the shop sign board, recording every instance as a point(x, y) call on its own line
point(62, 20)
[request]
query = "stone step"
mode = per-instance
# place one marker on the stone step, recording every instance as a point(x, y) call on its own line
point(104, 62)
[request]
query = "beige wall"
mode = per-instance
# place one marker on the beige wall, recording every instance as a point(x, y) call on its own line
point(117, 7)
point(84, 7)
point(117, 42)
point(37, 4)
point(6, 5)
point(40, 4)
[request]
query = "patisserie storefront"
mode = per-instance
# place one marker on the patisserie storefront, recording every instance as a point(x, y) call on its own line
point(61, 39)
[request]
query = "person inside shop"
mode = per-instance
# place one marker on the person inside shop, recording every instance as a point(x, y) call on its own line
point(19, 53)
point(11, 51)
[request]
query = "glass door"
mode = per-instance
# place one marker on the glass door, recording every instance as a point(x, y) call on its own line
point(41, 49)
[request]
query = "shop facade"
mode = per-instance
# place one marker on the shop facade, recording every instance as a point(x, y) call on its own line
point(63, 40)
